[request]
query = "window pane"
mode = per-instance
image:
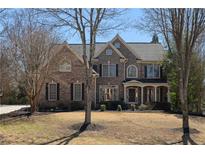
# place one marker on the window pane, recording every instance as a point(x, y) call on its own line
point(112, 70)
point(53, 92)
point(156, 71)
point(105, 70)
point(109, 93)
point(131, 71)
point(109, 52)
point(78, 92)
point(150, 70)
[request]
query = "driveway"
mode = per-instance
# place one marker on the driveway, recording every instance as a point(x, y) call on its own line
point(10, 108)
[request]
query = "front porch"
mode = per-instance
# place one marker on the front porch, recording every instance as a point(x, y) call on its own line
point(136, 92)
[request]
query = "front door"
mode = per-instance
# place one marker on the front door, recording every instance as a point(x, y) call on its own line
point(131, 95)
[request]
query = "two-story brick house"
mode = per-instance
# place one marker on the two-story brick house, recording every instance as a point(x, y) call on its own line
point(123, 71)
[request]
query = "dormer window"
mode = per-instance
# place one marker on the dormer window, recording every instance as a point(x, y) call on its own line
point(108, 52)
point(117, 45)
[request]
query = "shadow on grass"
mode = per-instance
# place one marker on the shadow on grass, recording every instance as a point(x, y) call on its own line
point(190, 140)
point(66, 139)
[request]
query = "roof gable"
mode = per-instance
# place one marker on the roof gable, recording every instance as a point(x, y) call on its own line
point(117, 37)
point(145, 51)
point(111, 46)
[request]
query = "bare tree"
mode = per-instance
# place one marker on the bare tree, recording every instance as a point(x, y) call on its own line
point(88, 23)
point(30, 46)
point(181, 29)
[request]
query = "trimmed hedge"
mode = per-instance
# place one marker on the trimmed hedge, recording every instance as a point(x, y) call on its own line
point(162, 106)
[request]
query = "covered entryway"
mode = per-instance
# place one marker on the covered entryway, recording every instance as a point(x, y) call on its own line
point(139, 92)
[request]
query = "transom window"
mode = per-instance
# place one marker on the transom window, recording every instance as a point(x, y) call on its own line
point(77, 92)
point(109, 70)
point(52, 91)
point(153, 71)
point(117, 45)
point(109, 52)
point(132, 71)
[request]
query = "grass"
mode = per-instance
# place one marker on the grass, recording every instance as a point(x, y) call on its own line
point(109, 128)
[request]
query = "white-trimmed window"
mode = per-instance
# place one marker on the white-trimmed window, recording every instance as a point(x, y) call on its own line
point(52, 91)
point(117, 45)
point(108, 52)
point(65, 67)
point(77, 92)
point(153, 71)
point(109, 93)
point(132, 71)
point(109, 70)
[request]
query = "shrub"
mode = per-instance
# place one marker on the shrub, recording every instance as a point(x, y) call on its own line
point(143, 107)
point(112, 105)
point(132, 107)
point(74, 106)
point(102, 107)
point(119, 108)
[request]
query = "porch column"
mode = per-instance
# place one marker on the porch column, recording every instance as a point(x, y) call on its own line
point(168, 94)
point(155, 93)
point(125, 94)
point(142, 95)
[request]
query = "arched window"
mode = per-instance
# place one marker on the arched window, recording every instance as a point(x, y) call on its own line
point(132, 71)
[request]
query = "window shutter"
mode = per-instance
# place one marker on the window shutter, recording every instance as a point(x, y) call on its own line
point(100, 72)
point(82, 91)
point(95, 67)
point(116, 69)
point(145, 71)
point(58, 91)
point(46, 91)
point(71, 91)
point(161, 72)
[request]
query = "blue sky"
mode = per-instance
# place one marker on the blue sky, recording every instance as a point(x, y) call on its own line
point(129, 35)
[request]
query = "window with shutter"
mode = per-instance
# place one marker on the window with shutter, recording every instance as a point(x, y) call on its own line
point(52, 92)
point(109, 70)
point(152, 71)
point(77, 92)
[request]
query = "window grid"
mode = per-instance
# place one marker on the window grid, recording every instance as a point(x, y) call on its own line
point(109, 70)
point(153, 71)
point(77, 92)
point(132, 71)
point(52, 92)
point(108, 52)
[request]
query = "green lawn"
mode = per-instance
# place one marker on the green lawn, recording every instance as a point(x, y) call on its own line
point(108, 128)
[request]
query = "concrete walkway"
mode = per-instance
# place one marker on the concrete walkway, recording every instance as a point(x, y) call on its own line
point(10, 108)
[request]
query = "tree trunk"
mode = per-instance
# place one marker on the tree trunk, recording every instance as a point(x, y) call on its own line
point(88, 96)
point(34, 104)
point(184, 107)
point(33, 108)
